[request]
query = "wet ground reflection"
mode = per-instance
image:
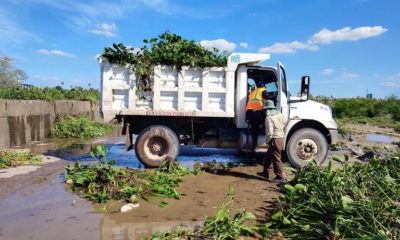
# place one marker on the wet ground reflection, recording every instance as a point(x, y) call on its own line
point(116, 150)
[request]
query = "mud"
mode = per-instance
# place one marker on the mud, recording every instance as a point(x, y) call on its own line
point(12, 182)
point(202, 195)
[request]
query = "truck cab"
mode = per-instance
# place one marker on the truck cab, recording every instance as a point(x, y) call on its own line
point(310, 127)
point(199, 106)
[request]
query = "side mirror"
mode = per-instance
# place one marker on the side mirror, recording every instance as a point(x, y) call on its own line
point(305, 86)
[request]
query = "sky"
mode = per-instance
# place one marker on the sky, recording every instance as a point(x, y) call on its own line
point(347, 47)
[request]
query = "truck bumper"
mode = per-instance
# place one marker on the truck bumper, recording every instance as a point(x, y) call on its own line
point(334, 135)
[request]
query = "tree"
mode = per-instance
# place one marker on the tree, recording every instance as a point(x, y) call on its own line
point(9, 75)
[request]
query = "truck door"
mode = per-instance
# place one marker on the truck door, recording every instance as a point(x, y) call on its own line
point(282, 99)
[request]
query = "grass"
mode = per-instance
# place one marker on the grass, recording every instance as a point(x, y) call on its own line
point(79, 127)
point(102, 182)
point(12, 158)
point(49, 93)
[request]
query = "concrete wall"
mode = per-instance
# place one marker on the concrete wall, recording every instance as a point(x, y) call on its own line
point(24, 121)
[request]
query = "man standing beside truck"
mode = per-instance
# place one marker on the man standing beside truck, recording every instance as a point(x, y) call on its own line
point(254, 110)
point(275, 135)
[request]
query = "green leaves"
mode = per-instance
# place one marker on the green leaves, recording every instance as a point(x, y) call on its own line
point(79, 127)
point(167, 49)
point(352, 201)
point(102, 182)
point(47, 93)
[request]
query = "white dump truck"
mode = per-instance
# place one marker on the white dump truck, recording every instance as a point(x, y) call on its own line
point(206, 107)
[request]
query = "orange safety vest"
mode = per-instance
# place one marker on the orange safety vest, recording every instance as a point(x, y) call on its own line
point(256, 100)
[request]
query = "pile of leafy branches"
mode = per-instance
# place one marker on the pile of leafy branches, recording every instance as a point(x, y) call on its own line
point(167, 49)
point(359, 201)
point(12, 158)
point(79, 127)
point(48, 93)
point(220, 226)
point(103, 181)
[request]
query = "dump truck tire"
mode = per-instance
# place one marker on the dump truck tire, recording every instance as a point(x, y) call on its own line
point(305, 145)
point(156, 144)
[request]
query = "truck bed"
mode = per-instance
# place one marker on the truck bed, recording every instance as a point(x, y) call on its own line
point(190, 92)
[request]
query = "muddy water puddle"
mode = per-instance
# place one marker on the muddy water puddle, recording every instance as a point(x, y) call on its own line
point(44, 210)
point(188, 156)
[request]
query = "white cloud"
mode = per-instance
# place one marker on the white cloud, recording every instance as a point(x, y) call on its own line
point(392, 81)
point(55, 53)
point(327, 71)
point(326, 36)
point(221, 44)
point(244, 45)
point(349, 75)
point(290, 47)
point(105, 29)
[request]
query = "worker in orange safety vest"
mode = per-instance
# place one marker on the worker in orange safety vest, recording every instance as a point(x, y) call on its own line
point(255, 115)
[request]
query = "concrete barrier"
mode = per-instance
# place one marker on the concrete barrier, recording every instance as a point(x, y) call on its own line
point(24, 121)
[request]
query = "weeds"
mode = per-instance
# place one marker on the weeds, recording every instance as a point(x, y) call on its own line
point(16, 158)
point(79, 127)
point(358, 201)
point(47, 93)
point(103, 181)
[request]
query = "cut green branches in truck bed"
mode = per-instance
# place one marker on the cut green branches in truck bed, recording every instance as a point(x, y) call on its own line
point(167, 49)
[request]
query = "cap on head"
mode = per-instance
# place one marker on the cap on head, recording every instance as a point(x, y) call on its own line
point(269, 104)
point(260, 83)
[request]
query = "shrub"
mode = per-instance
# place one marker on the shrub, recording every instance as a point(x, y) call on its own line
point(79, 127)
point(47, 93)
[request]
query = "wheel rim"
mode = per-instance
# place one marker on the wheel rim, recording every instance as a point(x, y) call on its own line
point(306, 149)
point(156, 147)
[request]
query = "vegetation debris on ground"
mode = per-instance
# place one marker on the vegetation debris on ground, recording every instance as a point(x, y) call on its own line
point(357, 201)
point(221, 226)
point(79, 127)
point(12, 158)
point(354, 201)
point(104, 181)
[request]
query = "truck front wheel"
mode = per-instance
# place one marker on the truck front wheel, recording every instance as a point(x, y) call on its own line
point(156, 144)
point(305, 145)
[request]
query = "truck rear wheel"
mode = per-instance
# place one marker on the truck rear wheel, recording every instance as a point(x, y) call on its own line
point(305, 145)
point(156, 144)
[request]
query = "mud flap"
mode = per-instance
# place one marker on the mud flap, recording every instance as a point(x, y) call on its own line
point(128, 138)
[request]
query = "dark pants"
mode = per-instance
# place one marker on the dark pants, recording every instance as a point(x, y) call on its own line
point(255, 120)
point(273, 157)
